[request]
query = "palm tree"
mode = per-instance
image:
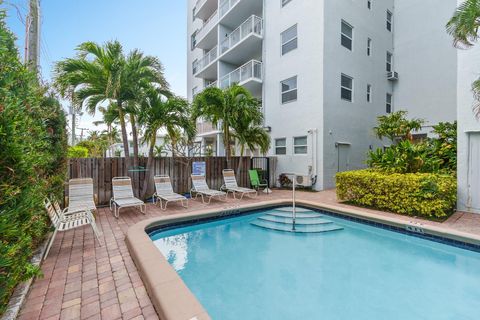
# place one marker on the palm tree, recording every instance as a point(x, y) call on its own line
point(158, 111)
point(102, 74)
point(223, 108)
point(464, 26)
point(248, 131)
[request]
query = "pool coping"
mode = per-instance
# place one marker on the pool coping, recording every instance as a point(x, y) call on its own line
point(170, 296)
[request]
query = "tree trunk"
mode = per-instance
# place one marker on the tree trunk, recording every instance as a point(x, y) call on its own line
point(240, 162)
point(147, 183)
point(226, 142)
point(135, 139)
point(135, 154)
point(123, 127)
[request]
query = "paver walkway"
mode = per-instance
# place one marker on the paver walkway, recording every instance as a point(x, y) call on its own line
point(84, 281)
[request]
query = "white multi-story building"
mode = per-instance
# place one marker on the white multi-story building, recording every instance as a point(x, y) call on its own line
point(324, 71)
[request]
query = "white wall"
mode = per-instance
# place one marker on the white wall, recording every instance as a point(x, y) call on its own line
point(192, 54)
point(425, 59)
point(352, 122)
point(294, 118)
point(468, 71)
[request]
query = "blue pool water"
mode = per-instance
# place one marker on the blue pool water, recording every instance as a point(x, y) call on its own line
point(241, 271)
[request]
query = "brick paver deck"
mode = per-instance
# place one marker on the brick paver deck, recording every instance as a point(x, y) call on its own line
point(85, 281)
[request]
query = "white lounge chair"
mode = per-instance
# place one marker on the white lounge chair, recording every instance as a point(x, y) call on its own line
point(123, 196)
point(231, 185)
point(164, 192)
point(80, 194)
point(64, 220)
point(200, 187)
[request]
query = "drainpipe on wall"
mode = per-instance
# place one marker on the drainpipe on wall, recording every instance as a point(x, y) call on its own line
point(313, 166)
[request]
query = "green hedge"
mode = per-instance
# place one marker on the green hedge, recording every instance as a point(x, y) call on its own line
point(32, 163)
point(416, 194)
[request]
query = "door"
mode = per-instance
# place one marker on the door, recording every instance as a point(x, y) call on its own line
point(474, 171)
point(343, 159)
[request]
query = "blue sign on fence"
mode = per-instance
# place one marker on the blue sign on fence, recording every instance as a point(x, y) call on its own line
point(199, 168)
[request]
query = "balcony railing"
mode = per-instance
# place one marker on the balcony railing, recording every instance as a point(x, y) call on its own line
point(204, 127)
point(253, 25)
point(212, 85)
point(198, 5)
point(207, 26)
point(250, 70)
point(226, 5)
point(208, 58)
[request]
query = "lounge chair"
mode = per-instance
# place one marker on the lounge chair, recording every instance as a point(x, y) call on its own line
point(62, 221)
point(164, 192)
point(80, 194)
point(231, 185)
point(123, 196)
point(200, 187)
point(255, 181)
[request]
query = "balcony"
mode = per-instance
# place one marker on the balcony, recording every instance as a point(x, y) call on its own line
point(205, 129)
point(247, 38)
point(204, 8)
point(205, 67)
point(233, 12)
point(206, 36)
point(249, 75)
point(212, 85)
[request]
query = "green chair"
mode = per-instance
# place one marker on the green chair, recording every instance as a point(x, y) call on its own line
point(255, 180)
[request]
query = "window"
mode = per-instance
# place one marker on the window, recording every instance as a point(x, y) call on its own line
point(281, 146)
point(194, 66)
point(388, 104)
point(285, 2)
point(289, 89)
point(346, 91)
point(369, 47)
point(389, 20)
point(369, 93)
point(369, 4)
point(289, 39)
point(194, 91)
point(300, 145)
point(389, 61)
point(347, 35)
point(193, 40)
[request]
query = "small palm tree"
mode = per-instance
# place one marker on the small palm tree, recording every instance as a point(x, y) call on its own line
point(158, 111)
point(224, 108)
point(463, 27)
point(248, 131)
point(104, 74)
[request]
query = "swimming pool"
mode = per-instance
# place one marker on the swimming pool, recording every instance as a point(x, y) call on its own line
point(238, 270)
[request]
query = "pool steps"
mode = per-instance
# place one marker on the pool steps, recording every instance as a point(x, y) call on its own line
point(299, 228)
point(306, 221)
point(289, 215)
point(289, 220)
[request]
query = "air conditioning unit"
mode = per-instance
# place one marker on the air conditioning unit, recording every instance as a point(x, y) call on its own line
point(304, 181)
point(392, 76)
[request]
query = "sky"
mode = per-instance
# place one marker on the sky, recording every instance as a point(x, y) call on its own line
point(156, 27)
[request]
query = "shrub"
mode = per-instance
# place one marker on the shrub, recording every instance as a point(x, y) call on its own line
point(77, 152)
point(32, 163)
point(415, 194)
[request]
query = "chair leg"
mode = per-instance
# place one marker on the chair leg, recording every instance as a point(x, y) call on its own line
point(50, 244)
point(95, 231)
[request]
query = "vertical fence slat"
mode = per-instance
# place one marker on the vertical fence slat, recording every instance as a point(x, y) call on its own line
point(102, 170)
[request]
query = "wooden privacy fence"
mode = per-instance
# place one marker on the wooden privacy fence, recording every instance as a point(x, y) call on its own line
point(102, 170)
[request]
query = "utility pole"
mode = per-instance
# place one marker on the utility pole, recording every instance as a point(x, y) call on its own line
point(33, 36)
